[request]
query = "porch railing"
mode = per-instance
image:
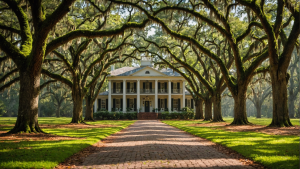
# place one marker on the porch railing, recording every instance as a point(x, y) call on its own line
point(147, 91)
point(117, 91)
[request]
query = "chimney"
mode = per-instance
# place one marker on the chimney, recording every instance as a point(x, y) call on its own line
point(112, 67)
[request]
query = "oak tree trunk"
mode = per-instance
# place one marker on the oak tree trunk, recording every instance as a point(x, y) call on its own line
point(217, 108)
point(199, 109)
point(240, 115)
point(58, 110)
point(27, 120)
point(208, 110)
point(77, 97)
point(291, 106)
point(280, 101)
point(89, 109)
point(258, 110)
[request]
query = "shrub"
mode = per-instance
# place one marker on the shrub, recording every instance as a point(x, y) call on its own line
point(105, 115)
point(186, 113)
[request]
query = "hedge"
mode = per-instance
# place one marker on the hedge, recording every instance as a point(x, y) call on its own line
point(105, 115)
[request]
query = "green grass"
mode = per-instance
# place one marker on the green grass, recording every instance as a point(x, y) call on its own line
point(47, 154)
point(263, 121)
point(273, 151)
point(42, 120)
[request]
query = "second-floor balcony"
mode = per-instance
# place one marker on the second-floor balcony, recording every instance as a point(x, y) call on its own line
point(176, 91)
point(147, 91)
point(117, 91)
point(162, 91)
point(131, 91)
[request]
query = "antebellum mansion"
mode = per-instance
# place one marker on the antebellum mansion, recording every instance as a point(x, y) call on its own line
point(144, 89)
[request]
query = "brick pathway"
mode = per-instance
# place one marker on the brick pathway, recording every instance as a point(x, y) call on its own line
point(153, 144)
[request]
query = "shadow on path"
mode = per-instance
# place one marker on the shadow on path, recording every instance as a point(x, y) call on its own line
point(153, 144)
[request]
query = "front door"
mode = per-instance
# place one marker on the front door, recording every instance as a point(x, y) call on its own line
point(147, 106)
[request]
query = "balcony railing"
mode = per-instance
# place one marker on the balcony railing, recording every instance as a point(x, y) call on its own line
point(131, 91)
point(147, 91)
point(176, 91)
point(160, 91)
point(117, 91)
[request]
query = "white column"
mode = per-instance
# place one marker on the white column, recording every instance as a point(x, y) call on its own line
point(156, 98)
point(109, 95)
point(138, 96)
point(169, 97)
point(183, 94)
point(96, 102)
point(124, 96)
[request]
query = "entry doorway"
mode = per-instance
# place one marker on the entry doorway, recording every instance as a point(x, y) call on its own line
point(147, 106)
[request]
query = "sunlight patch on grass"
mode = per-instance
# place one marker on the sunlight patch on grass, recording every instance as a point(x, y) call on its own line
point(273, 151)
point(48, 154)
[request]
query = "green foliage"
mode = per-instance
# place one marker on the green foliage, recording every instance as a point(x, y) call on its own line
point(273, 151)
point(105, 115)
point(49, 153)
point(186, 113)
point(2, 108)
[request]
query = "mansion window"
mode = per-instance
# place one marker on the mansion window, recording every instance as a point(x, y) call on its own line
point(162, 103)
point(118, 105)
point(147, 72)
point(162, 88)
point(103, 104)
point(131, 103)
point(118, 87)
point(132, 90)
point(188, 103)
point(147, 87)
point(175, 104)
point(175, 88)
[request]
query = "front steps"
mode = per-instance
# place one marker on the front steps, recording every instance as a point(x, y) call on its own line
point(147, 116)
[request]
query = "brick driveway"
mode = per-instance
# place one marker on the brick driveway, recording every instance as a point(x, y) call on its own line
point(153, 144)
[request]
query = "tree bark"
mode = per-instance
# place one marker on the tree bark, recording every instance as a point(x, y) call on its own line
point(27, 120)
point(208, 110)
point(240, 115)
point(58, 110)
point(291, 107)
point(217, 108)
point(77, 97)
point(199, 109)
point(89, 109)
point(280, 102)
point(258, 110)
point(291, 99)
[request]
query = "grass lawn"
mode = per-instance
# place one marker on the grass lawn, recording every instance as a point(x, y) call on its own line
point(47, 154)
point(273, 151)
point(263, 121)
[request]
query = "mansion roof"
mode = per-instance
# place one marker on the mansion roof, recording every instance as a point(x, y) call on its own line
point(127, 71)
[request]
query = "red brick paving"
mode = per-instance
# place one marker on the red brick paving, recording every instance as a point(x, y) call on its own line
point(153, 144)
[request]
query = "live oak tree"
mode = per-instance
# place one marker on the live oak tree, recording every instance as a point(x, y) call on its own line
point(220, 22)
point(58, 94)
point(284, 12)
point(259, 94)
point(81, 71)
point(37, 37)
point(294, 83)
point(198, 105)
point(203, 77)
point(91, 96)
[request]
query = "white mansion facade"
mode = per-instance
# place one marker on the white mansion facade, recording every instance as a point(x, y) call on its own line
point(144, 89)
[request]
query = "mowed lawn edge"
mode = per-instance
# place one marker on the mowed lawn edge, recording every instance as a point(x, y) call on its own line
point(273, 151)
point(49, 153)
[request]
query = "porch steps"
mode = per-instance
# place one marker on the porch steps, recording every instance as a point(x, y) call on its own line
point(147, 116)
